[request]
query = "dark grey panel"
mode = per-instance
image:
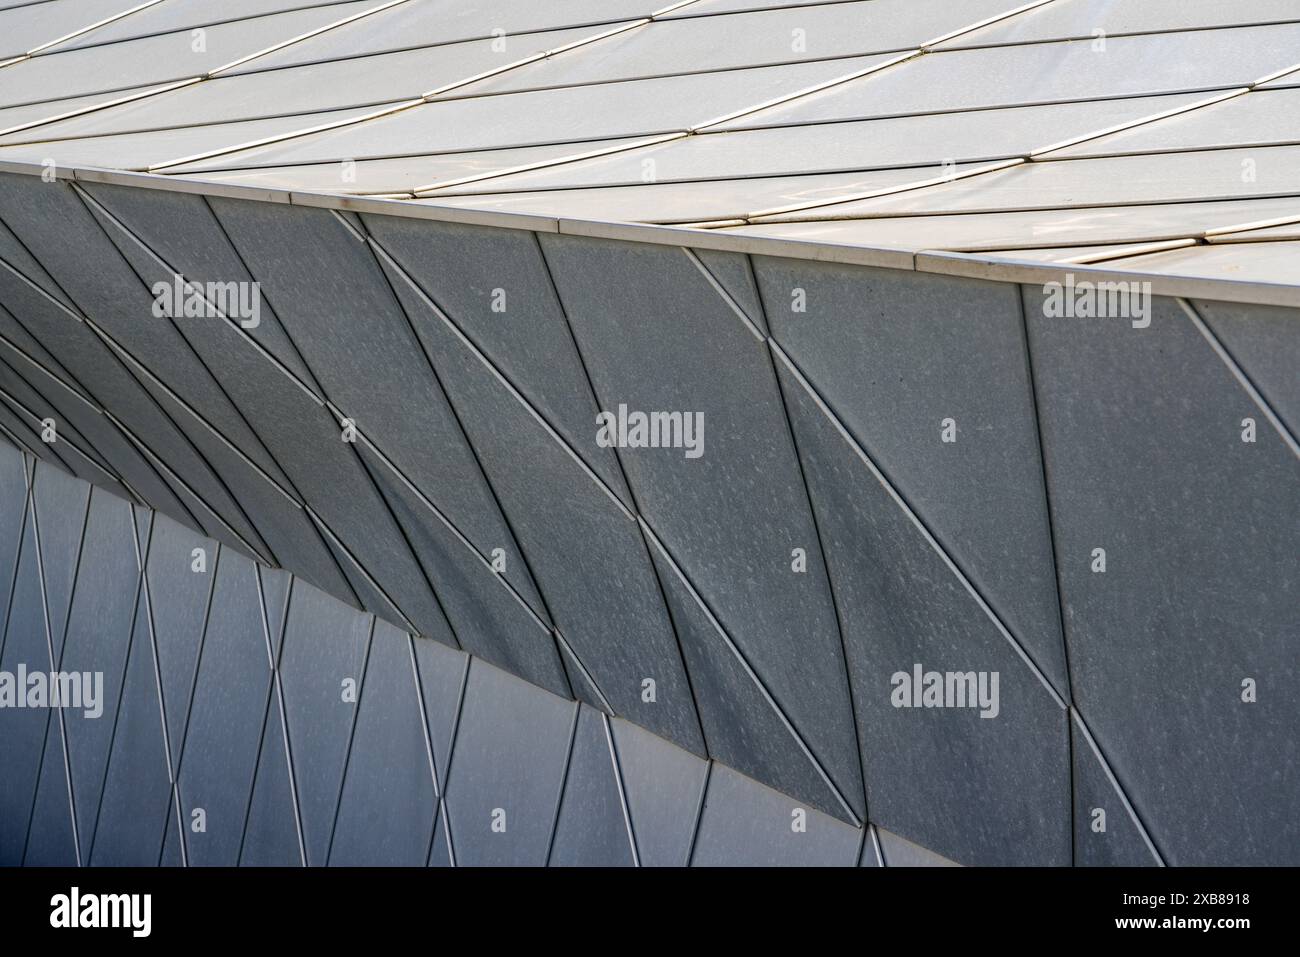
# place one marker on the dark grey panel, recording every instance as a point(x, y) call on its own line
point(372, 596)
point(657, 337)
point(61, 502)
point(271, 834)
point(16, 254)
point(1265, 342)
point(51, 841)
point(442, 679)
point(494, 284)
point(1106, 834)
point(489, 621)
point(182, 231)
point(507, 769)
point(735, 274)
point(900, 852)
point(23, 398)
point(179, 599)
point(226, 721)
point(84, 355)
point(23, 741)
point(586, 552)
point(19, 339)
point(325, 644)
point(201, 490)
point(66, 452)
point(981, 790)
point(664, 787)
point(746, 824)
point(13, 513)
point(592, 829)
point(387, 807)
point(332, 298)
point(67, 238)
point(742, 725)
point(112, 445)
point(137, 787)
point(99, 630)
point(1145, 459)
point(895, 354)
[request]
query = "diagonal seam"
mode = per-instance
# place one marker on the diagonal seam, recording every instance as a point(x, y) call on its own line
point(753, 676)
point(1114, 782)
point(916, 521)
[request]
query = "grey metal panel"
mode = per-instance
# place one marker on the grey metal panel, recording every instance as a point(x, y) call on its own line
point(20, 395)
point(895, 355)
point(388, 802)
point(68, 240)
point(742, 726)
point(271, 834)
point(61, 503)
point(1105, 831)
point(1274, 264)
point(119, 453)
point(735, 273)
point(745, 824)
point(507, 769)
point(13, 512)
point(664, 788)
point(592, 828)
point(179, 599)
point(900, 852)
point(981, 790)
point(225, 726)
point(87, 357)
point(587, 553)
point(488, 620)
point(17, 255)
point(171, 849)
point(1164, 473)
point(19, 340)
point(732, 510)
point(137, 784)
point(442, 679)
point(99, 630)
point(181, 229)
point(325, 644)
point(463, 270)
point(171, 15)
point(338, 297)
point(50, 839)
point(21, 745)
point(371, 596)
point(1265, 342)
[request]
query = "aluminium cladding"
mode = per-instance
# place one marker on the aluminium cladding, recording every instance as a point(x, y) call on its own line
point(998, 138)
